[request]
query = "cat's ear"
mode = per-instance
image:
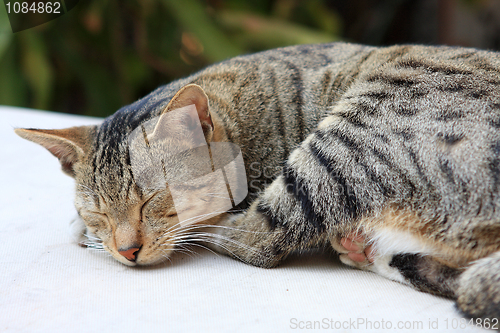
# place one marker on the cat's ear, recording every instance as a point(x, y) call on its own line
point(194, 94)
point(69, 145)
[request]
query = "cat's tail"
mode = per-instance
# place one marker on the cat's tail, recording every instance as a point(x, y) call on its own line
point(478, 292)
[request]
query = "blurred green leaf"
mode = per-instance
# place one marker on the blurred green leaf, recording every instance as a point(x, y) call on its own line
point(97, 82)
point(263, 32)
point(323, 17)
point(36, 67)
point(5, 31)
point(13, 89)
point(194, 18)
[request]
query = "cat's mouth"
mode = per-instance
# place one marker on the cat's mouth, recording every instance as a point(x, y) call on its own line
point(139, 255)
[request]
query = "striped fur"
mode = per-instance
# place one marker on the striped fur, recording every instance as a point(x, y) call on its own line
point(397, 143)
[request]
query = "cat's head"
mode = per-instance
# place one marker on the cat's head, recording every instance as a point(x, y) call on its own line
point(136, 188)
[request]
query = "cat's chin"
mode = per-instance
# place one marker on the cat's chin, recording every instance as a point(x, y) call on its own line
point(138, 262)
point(145, 260)
point(124, 261)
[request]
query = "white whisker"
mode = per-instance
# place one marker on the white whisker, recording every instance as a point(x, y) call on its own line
point(230, 228)
point(90, 191)
point(215, 239)
point(217, 196)
point(202, 216)
point(204, 247)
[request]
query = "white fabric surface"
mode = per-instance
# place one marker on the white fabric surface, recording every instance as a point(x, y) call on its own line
point(49, 284)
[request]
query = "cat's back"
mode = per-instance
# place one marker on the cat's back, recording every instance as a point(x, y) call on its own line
point(247, 86)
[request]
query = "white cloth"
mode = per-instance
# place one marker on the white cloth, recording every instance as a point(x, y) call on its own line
point(49, 284)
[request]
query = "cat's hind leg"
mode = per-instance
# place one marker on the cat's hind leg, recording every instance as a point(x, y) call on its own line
point(405, 257)
point(399, 256)
point(478, 293)
point(476, 288)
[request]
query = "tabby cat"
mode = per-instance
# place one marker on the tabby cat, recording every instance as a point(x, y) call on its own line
point(391, 155)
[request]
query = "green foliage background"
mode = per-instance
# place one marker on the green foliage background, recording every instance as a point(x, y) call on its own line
point(104, 54)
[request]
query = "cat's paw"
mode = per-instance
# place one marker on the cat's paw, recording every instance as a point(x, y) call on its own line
point(355, 250)
point(77, 230)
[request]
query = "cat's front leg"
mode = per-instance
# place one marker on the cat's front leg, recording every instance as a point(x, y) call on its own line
point(248, 237)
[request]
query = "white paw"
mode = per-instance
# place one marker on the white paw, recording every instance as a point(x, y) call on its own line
point(78, 229)
point(355, 250)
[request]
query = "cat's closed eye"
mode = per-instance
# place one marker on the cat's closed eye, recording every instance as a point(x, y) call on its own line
point(94, 220)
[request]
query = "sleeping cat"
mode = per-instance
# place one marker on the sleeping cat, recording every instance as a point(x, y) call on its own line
point(391, 155)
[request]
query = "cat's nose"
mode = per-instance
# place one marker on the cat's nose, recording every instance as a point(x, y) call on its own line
point(130, 253)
